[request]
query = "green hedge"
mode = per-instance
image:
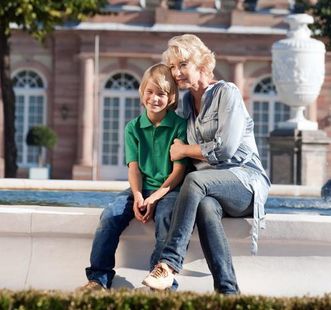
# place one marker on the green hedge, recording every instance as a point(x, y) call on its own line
point(135, 300)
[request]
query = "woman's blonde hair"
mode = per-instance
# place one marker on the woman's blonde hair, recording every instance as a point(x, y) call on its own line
point(161, 76)
point(189, 47)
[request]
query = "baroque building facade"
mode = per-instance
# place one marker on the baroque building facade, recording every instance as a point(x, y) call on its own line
point(83, 82)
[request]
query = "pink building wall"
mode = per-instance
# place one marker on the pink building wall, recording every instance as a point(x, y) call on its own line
point(133, 41)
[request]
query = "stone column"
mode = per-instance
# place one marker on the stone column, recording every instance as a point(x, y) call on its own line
point(83, 168)
point(237, 72)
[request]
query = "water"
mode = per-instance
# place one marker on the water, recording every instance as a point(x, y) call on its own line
point(86, 199)
point(89, 199)
point(310, 205)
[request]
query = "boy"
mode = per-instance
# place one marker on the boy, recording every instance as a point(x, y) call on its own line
point(153, 177)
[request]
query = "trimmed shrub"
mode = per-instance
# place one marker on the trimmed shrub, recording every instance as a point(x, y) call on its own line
point(135, 300)
point(41, 136)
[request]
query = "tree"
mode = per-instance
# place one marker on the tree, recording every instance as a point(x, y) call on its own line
point(321, 11)
point(37, 17)
point(41, 136)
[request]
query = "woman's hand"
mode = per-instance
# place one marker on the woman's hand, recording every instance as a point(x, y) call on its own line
point(177, 150)
point(149, 204)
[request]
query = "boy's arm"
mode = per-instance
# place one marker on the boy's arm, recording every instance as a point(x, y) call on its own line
point(174, 178)
point(135, 180)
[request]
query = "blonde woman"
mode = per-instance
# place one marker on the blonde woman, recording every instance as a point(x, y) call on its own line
point(229, 178)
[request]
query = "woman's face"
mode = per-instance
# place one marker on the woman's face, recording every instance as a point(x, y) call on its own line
point(186, 74)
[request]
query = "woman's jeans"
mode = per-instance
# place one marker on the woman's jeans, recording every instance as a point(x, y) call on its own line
point(114, 219)
point(205, 196)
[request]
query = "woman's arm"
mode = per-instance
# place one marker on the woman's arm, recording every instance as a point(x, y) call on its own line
point(228, 137)
point(231, 126)
point(174, 178)
point(135, 180)
point(179, 150)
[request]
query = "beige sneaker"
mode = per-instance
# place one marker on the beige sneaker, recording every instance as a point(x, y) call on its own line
point(160, 278)
point(92, 286)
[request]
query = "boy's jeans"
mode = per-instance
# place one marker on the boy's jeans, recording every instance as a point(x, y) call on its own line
point(114, 219)
point(204, 196)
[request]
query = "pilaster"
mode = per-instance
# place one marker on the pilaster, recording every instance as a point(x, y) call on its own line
point(84, 161)
point(237, 72)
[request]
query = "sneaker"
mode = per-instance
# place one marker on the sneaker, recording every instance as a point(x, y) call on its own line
point(160, 278)
point(92, 286)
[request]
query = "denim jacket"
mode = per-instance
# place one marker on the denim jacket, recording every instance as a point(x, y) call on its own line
point(225, 132)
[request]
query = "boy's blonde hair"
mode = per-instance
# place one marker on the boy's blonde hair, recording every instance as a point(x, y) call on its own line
point(189, 47)
point(161, 76)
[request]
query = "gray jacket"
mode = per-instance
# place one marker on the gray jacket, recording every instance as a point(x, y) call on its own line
point(225, 132)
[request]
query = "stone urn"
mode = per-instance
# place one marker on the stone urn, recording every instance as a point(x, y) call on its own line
point(298, 69)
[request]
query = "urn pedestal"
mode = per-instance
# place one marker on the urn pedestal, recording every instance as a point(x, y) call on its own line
point(298, 157)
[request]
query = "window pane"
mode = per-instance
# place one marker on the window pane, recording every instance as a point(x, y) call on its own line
point(110, 130)
point(124, 105)
point(29, 112)
point(281, 113)
point(122, 81)
point(267, 112)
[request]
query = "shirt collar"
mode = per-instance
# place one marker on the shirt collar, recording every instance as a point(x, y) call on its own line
point(168, 120)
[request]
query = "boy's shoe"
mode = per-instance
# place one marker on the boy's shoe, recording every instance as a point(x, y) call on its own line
point(92, 286)
point(160, 278)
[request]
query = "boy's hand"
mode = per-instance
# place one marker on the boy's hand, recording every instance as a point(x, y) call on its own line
point(176, 150)
point(139, 208)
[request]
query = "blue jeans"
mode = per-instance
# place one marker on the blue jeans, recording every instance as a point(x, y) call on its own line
point(205, 197)
point(114, 219)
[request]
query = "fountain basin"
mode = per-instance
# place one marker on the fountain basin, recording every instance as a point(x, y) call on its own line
point(48, 248)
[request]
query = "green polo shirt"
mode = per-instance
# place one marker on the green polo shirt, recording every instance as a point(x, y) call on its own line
point(150, 146)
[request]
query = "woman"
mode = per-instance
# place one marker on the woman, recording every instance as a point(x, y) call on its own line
point(229, 173)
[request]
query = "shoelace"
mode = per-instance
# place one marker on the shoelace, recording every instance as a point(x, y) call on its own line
point(159, 272)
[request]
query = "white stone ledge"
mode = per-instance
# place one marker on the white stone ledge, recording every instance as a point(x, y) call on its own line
point(114, 186)
point(49, 247)
point(83, 221)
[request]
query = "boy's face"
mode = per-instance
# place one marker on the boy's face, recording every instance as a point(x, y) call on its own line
point(154, 98)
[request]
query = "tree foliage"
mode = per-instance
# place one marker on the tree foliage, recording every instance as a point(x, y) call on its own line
point(41, 136)
point(37, 17)
point(322, 14)
point(321, 11)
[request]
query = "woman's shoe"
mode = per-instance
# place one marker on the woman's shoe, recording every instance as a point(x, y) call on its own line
point(160, 278)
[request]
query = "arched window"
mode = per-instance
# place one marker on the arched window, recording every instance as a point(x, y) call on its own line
point(120, 104)
point(268, 111)
point(30, 100)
